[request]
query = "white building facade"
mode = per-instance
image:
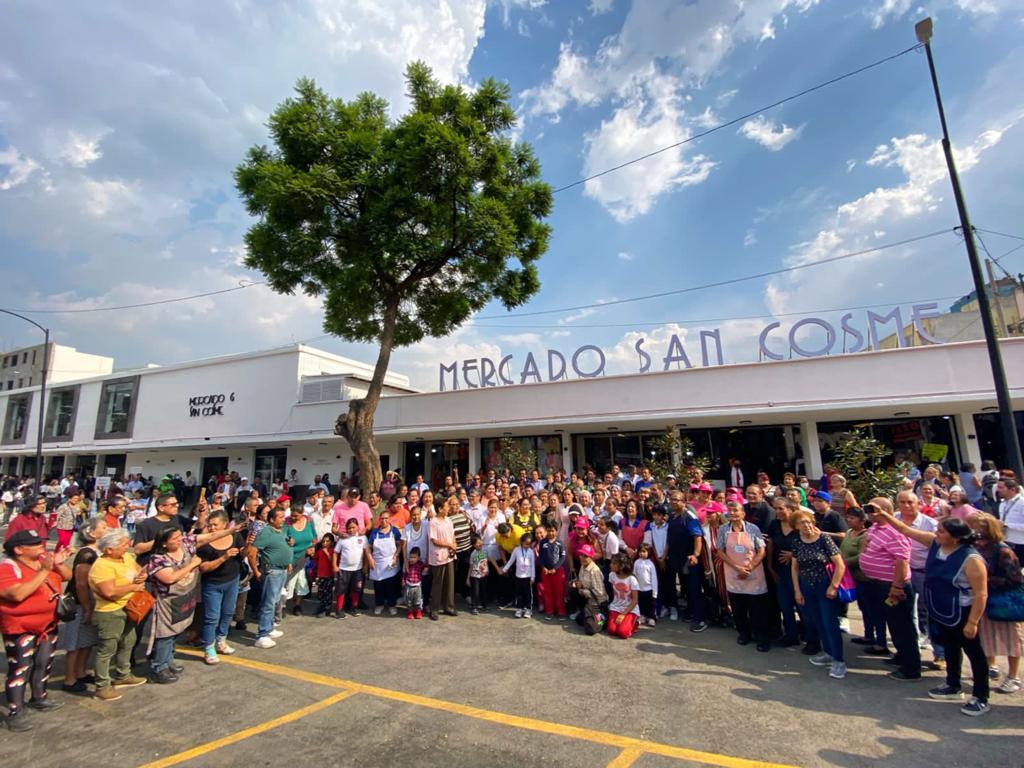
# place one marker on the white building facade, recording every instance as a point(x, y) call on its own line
point(270, 412)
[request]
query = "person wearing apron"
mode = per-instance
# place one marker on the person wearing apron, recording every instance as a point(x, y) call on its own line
point(383, 544)
point(741, 549)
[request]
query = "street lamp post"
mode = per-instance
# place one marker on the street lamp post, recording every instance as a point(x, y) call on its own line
point(42, 395)
point(923, 29)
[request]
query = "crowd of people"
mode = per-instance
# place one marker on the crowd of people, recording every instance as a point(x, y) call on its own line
point(618, 552)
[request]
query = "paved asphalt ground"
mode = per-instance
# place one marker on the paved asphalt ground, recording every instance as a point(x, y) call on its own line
point(492, 690)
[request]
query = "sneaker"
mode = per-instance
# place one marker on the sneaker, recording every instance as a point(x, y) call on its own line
point(163, 677)
point(939, 665)
point(821, 660)
point(224, 649)
point(876, 650)
point(419, 614)
point(673, 614)
point(211, 656)
point(276, 633)
point(378, 610)
point(527, 614)
point(176, 669)
point(277, 623)
point(411, 615)
point(340, 614)
point(838, 670)
point(519, 613)
point(993, 673)
point(811, 649)
point(107, 694)
point(433, 615)
point(18, 722)
point(392, 611)
point(1009, 685)
point(975, 708)
point(475, 611)
point(899, 674)
point(264, 642)
point(128, 681)
point(844, 624)
point(698, 626)
point(946, 693)
point(79, 686)
point(46, 705)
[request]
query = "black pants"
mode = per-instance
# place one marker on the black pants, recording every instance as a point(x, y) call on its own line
point(645, 601)
point(385, 591)
point(750, 615)
point(953, 641)
point(29, 662)
point(899, 619)
point(478, 590)
point(524, 593)
point(461, 572)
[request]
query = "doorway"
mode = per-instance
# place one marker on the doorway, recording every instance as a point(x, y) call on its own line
point(212, 465)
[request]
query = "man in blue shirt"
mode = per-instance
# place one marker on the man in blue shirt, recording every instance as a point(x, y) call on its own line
point(685, 544)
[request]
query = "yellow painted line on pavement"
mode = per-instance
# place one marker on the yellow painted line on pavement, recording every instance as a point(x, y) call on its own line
point(500, 718)
point(234, 738)
point(625, 758)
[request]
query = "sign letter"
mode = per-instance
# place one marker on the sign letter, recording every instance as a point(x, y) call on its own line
point(599, 371)
point(453, 369)
point(764, 337)
point(830, 337)
point(704, 336)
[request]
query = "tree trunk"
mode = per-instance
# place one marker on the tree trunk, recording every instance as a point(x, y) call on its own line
point(356, 426)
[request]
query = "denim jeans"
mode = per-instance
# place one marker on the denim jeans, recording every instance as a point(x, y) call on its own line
point(823, 613)
point(218, 608)
point(273, 583)
point(163, 653)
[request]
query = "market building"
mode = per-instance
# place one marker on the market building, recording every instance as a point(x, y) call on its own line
point(273, 411)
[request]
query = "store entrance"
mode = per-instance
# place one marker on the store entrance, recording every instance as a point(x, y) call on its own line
point(990, 436)
point(774, 449)
point(210, 466)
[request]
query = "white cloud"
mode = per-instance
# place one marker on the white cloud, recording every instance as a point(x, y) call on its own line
point(572, 81)
point(706, 119)
point(770, 134)
point(17, 168)
point(850, 165)
point(597, 7)
point(625, 256)
point(79, 151)
point(651, 118)
point(750, 239)
point(520, 339)
point(574, 316)
point(890, 10)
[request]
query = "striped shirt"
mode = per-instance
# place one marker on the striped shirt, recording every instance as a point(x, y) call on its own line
point(885, 547)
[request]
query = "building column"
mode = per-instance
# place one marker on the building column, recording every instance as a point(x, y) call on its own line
point(967, 435)
point(812, 452)
point(474, 456)
point(567, 453)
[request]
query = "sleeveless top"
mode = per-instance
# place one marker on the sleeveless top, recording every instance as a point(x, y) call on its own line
point(946, 590)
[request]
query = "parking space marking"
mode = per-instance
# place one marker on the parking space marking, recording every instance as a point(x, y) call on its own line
point(255, 730)
point(625, 758)
point(627, 743)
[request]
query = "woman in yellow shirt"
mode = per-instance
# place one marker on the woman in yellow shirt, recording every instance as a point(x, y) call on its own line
point(113, 578)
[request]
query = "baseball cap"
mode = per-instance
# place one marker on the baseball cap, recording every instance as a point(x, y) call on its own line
point(283, 499)
point(586, 550)
point(823, 495)
point(24, 538)
point(582, 523)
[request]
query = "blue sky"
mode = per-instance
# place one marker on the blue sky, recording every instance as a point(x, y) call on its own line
point(120, 125)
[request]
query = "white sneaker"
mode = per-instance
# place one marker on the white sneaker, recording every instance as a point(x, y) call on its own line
point(519, 613)
point(673, 614)
point(844, 624)
point(264, 642)
point(276, 633)
point(527, 614)
point(393, 611)
point(378, 610)
point(224, 648)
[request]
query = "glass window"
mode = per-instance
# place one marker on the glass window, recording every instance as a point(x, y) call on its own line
point(547, 447)
point(16, 421)
point(117, 408)
point(60, 413)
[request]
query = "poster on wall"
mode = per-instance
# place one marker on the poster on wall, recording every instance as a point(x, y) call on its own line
point(102, 485)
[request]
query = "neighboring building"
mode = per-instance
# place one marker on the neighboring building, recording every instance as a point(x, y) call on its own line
point(273, 411)
point(23, 367)
point(963, 321)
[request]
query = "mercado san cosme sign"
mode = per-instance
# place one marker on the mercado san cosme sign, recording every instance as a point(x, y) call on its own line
point(588, 361)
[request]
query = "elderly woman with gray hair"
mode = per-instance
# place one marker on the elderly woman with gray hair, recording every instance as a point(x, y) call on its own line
point(78, 636)
point(113, 578)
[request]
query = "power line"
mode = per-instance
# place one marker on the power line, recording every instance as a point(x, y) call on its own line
point(720, 283)
point(741, 118)
point(722, 319)
point(138, 306)
point(993, 232)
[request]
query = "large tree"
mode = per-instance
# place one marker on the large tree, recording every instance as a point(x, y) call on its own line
point(404, 227)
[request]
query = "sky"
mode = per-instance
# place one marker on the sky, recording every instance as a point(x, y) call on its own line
point(121, 124)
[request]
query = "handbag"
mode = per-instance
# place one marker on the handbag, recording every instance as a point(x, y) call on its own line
point(1007, 605)
point(67, 604)
point(847, 591)
point(138, 606)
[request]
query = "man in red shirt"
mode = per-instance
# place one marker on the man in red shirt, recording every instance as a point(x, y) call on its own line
point(32, 518)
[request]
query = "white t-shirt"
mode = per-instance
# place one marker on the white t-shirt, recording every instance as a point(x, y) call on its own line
point(414, 539)
point(610, 545)
point(621, 593)
point(350, 552)
point(488, 530)
point(646, 575)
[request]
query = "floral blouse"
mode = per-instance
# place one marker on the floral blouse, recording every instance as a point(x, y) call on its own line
point(166, 560)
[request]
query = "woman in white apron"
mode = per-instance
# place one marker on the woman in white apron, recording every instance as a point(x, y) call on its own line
point(384, 544)
point(741, 549)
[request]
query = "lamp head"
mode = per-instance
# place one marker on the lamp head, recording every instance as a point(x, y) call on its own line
point(923, 29)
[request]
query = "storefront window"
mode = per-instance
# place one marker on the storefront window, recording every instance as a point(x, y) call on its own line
point(917, 441)
point(60, 414)
point(547, 447)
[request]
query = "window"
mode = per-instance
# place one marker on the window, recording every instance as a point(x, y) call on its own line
point(60, 414)
point(21, 383)
point(117, 408)
point(16, 421)
point(24, 357)
point(547, 447)
point(34, 351)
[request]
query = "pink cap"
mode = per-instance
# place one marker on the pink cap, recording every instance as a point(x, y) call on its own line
point(586, 550)
point(582, 524)
point(705, 488)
